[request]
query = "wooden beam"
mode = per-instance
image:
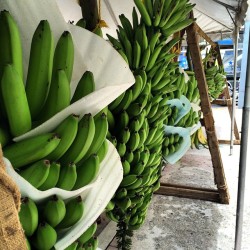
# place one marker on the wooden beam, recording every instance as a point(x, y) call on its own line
point(235, 142)
point(204, 35)
point(189, 192)
point(90, 13)
point(219, 175)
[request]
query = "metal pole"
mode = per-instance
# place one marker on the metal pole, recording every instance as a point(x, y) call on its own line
point(243, 159)
point(236, 38)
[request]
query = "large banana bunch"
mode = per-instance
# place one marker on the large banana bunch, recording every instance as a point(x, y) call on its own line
point(69, 157)
point(215, 75)
point(137, 116)
point(43, 222)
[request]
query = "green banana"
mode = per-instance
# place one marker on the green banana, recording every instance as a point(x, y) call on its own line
point(101, 129)
point(136, 55)
point(87, 171)
point(143, 136)
point(124, 204)
point(123, 120)
point(103, 150)
point(153, 41)
point(128, 180)
point(40, 67)
point(85, 86)
point(31, 150)
point(67, 130)
point(83, 140)
point(135, 18)
point(121, 193)
point(37, 173)
point(111, 120)
point(88, 234)
point(28, 216)
point(64, 55)
point(137, 168)
point(58, 97)
point(124, 135)
point(137, 87)
point(45, 237)
point(127, 26)
point(134, 124)
point(15, 101)
point(81, 23)
point(158, 8)
point(124, 104)
point(153, 57)
point(143, 11)
point(72, 246)
point(116, 44)
point(4, 136)
point(134, 109)
point(53, 177)
point(145, 58)
point(125, 166)
point(10, 44)
point(121, 148)
point(54, 211)
point(149, 6)
point(133, 141)
point(67, 177)
point(74, 212)
point(136, 184)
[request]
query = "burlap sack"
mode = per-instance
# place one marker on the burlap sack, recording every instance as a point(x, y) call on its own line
point(11, 232)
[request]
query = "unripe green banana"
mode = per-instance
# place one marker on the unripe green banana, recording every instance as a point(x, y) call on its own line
point(94, 243)
point(111, 120)
point(4, 136)
point(143, 136)
point(37, 173)
point(110, 206)
point(54, 210)
point(124, 204)
point(129, 180)
point(40, 67)
point(121, 193)
point(103, 150)
point(134, 124)
point(126, 167)
point(137, 168)
point(127, 26)
point(82, 141)
point(59, 95)
point(133, 141)
point(129, 156)
point(74, 212)
point(121, 148)
point(72, 246)
point(28, 216)
point(124, 104)
point(64, 55)
point(124, 135)
point(15, 101)
point(45, 237)
point(143, 11)
point(87, 171)
point(136, 55)
point(137, 87)
point(88, 233)
point(158, 8)
point(153, 57)
point(145, 58)
point(53, 177)
point(10, 44)
point(101, 129)
point(134, 109)
point(67, 177)
point(84, 87)
point(123, 120)
point(136, 158)
point(136, 184)
point(67, 130)
point(31, 150)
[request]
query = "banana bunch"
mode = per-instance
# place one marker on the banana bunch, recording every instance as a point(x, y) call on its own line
point(68, 158)
point(215, 74)
point(198, 138)
point(190, 119)
point(171, 144)
point(42, 222)
point(192, 91)
point(137, 116)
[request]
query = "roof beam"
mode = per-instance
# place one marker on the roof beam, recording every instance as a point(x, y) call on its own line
point(230, 7)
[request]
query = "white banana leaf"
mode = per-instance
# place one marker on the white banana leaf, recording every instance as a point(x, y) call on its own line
point(112, 74)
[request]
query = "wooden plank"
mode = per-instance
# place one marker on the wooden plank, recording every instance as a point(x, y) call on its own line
point(219, 175)
point(235, 142)
point(189, 192)
point(204, 35)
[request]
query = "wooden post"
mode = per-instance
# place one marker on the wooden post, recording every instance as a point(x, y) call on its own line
point(90, 13)
point(219, 175)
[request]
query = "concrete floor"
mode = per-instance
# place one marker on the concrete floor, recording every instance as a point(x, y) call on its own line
point(186, 224)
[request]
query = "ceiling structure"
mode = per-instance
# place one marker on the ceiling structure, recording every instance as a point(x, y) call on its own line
point(217, 18)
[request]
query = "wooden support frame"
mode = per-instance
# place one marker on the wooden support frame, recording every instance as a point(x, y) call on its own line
point(221, 194)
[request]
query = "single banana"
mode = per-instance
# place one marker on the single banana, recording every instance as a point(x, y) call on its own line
point(127, 26)
point(67, 177)
point(145, 58)
point(88, 234)
point(53, 177)
point(125, 103)
point(73, 246)
point(84, 87)
point(82, 141)
point(58, 97)
point(121, 148)
point(143, 11)
point(124, 135)
point(134, 109)
point(67, 130)
point(45, 237)
point(87, 171)
point(149, 6)
point(4, 136)
point(81, 23)
point(137, 87)
point(134, 124)
point(31, 150)
point(125, 166)
point(111, 120)
point(103, 150)
point(10, 44)
point(110, 206)
point(54, 210)
point(15, 101)
point(40, 67)
point(28, 216)
point(135, 18)
point(74, 212)
point(122, 120)
point(124, 204)
point(121, 193)
point(136, 55)
point(37, 173)
point(128, 180)
point(133, 141)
